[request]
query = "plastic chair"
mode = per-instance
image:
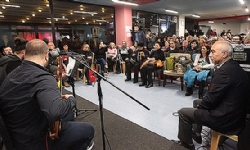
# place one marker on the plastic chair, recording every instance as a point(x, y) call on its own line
point(216, 136)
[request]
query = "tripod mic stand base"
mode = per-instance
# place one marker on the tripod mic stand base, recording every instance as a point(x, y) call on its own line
point(78, 112)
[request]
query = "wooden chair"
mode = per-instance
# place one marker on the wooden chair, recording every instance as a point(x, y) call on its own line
point(216, 136)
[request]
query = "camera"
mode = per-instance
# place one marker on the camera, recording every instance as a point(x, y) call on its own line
point(241, 54)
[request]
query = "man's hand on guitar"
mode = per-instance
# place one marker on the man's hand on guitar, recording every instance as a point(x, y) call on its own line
point(64, 70)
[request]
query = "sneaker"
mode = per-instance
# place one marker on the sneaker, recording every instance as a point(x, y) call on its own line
point(91, 145)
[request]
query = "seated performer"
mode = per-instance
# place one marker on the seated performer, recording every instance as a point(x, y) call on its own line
point(29, 98)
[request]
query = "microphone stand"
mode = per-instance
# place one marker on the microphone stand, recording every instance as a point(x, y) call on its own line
point(100, 95)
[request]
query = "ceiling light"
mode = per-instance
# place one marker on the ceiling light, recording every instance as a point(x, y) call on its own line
point(69, 23)
point(23, 21)
point(101, 20)
point(81, 8)
point(75, 20)
point(39, 10)
point(47, 5)
point(15, 6)
point(1, 16)
point(28, 18)
point(100, 23)
point(33, 15)
point(85, 12)
point(59, 19)
point(63, 16)
point(71, 13)
point(248, 19)
point(7, 0)
point(210, 22)
point(246, 9)
point(83, 18)
point(87, 23)
point(171, 11)
point(242, 2)
point(196, 16)
point(126, 3)
point(1, 12)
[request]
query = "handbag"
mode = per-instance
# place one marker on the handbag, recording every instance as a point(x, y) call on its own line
point(159, 63)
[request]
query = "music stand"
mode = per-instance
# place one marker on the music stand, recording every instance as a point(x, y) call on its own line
point(100, 95)
point(72, 68)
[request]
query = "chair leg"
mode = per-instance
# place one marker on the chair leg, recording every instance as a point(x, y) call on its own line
point(215, 140)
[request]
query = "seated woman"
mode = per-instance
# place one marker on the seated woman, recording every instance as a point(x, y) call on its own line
point(200, 71)
point(147, 67)
point(111, 55)
point(100, 55)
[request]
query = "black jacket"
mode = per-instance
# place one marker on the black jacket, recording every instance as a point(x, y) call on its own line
point(223, 109)
point(29, 97)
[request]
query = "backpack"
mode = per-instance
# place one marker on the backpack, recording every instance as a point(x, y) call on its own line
point(4, 61)
point(170, 63)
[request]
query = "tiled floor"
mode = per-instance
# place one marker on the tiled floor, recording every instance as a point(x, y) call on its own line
point(162, 101)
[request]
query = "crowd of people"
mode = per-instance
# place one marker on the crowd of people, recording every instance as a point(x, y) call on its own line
point(31, 72)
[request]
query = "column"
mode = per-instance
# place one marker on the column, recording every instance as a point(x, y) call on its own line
point(181, 25)
point(123, 24)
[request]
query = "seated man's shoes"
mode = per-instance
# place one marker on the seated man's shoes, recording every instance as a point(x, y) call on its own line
point(142, 84)
point(190, 147)
point(135, 81)
point(89, 83)
point(127, 80)
point(149, 85)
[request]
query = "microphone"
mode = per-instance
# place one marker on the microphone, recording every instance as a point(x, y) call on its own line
point(68, 53)
point(54, 52)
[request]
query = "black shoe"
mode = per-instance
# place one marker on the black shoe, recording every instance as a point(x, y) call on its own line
point(89, 83)
point(191, 147)
point(189, 91)
point(142, 84)
point(197, 138)
point(135, 81)
point(188, 94)
point(127, 80)
point(118, 72)
point(149, 85)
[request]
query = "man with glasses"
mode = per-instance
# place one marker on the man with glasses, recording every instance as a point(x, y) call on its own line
point(224, 107)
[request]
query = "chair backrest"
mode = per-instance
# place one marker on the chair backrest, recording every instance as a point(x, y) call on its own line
point(5, 135)
point(193, 56)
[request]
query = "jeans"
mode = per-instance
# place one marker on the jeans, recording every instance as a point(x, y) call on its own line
point(102, 62)
point(73, 135)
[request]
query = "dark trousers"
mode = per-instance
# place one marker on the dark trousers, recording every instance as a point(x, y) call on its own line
point(188, 124)
point(146, 73)
point(73, 135)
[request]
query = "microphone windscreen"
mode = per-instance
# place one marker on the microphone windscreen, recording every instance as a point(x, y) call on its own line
point(54, 52)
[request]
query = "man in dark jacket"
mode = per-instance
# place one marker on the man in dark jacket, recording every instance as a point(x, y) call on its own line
point(223, 108)
point(29, 98)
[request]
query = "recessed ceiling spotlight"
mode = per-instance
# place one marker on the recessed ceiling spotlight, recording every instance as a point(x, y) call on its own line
point(39, 10)
point(33, 15)
point(1, 16)
point(69, 22)
point(112, 16)
point(63, 16)
point(92, 14)
point(100, 23)
point(27, 18)
point(47, 5)
point(81, 8)
point(7, 0)
point(3, 7)
point(87, 23)
point(23, 21)
point(1, 12)
point(242, 2)
point(71, 13)
point(246, 9)
point(210, 22)
point(75, 20)
point(83, 18)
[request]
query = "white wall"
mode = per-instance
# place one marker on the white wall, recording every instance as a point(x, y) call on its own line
point(236, 26)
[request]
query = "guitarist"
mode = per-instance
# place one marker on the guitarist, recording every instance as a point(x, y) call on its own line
point(29, 97)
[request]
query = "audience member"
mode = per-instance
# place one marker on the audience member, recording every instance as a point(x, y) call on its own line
point(202, 65)
point(36, 101)
point(100, 55)
point(138, 35)
point(223, 108)
point(150, 65)
point(10, 62)
point(112, 56)
point(87, 59)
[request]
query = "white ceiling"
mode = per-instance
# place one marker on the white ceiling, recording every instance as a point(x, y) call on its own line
point(205, 8)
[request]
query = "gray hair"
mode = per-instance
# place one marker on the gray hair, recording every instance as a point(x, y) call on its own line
point(225, 47)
